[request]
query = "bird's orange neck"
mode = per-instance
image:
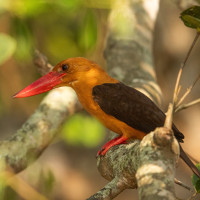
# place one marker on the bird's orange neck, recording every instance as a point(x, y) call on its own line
point(84, 85)
point(95, 76)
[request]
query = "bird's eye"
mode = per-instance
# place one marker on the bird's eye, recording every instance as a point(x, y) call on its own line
point(65, 67)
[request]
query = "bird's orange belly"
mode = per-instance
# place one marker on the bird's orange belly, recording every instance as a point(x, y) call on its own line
point(111, 122)
point(120, 127)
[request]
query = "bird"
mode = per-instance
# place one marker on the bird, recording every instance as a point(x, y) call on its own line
point(122, 109)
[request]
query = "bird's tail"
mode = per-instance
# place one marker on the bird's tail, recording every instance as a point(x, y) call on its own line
point(187, 160)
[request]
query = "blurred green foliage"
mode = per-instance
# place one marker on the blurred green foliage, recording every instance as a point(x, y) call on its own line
point(7, 47)
point(82, 129)
point(196, 180)
point(46, 182)
point(2, 189)
point(9, 193)
point(60, 29)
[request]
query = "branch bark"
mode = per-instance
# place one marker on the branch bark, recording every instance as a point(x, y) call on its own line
point(148, 165)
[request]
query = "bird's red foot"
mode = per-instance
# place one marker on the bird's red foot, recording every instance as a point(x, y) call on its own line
point(111, 143)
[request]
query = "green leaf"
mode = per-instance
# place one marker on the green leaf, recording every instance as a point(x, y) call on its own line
point(196, 180)
point(191, 17)
point(7, 47)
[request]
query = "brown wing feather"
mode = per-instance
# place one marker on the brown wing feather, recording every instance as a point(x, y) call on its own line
point(131, 106)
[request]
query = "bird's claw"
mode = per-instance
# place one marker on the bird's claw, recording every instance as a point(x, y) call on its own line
point(101, 152)
point(111, 143)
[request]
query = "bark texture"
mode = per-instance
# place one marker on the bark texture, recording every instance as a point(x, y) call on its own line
point(128, 49)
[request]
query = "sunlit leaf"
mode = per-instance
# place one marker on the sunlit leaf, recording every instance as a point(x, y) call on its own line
point(83, 130)
point(196, 180)
point(191, 17)
point(7, 47)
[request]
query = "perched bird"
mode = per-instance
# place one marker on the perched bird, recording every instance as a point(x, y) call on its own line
point(120, 108)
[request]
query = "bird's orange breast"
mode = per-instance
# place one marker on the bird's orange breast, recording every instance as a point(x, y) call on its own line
point(83, 88)
point(109, 121)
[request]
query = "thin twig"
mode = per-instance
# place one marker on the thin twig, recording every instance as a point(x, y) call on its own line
point(21, 187)
point(194, 159)
point(177, 87)
point(191, 47)
point(193, 195)
point(169, 116)
point(187, 105)
point(177, 90)
point(110, 191)
point(188, 91)
point(182, 184)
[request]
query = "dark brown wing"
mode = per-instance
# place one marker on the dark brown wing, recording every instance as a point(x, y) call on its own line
point(130, 106)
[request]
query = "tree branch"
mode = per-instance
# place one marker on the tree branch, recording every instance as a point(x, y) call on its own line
point(128, 49)
point(148, 165)
point(39, 130)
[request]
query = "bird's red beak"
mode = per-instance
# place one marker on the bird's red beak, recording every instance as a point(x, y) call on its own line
point(43, 84)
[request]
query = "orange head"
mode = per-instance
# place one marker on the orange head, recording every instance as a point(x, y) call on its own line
point(65, 73)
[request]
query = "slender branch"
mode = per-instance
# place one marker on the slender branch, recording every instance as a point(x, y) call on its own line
point(21, 187)
point(192, 196)
point(194, 159)
point(181, 106)
point(190, 49)
point(169, 116)
point(110, 191)
point(182, 184)
point(187, 105)
point(177, 87)
point(187, 92)
point(176, 90)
